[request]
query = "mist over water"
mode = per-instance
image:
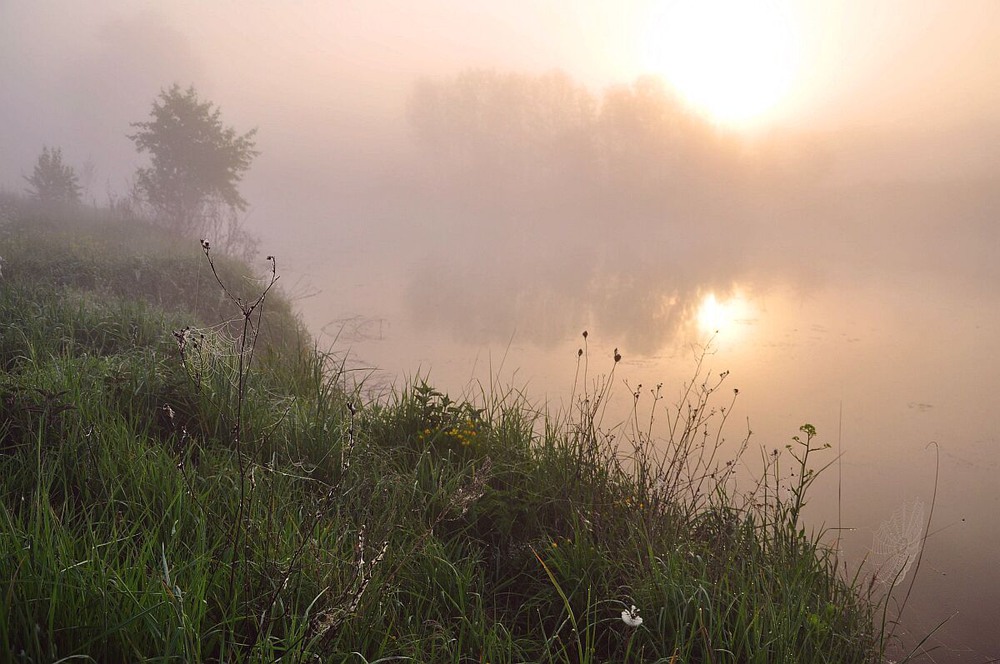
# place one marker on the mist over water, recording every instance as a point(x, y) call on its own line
point(460, 190)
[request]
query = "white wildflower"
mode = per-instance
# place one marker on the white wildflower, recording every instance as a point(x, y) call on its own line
point(631, 617)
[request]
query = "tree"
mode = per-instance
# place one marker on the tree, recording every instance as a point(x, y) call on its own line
point(52, 181)
point(491, 125)
point(197, 162)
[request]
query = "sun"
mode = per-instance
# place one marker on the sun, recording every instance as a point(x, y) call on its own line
point(726, 318)
point(731, 60)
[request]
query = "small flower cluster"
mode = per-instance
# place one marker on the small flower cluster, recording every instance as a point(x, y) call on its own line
point(445, 422)
point(463, 434)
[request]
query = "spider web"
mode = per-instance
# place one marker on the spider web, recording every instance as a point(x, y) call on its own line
point(897, 542)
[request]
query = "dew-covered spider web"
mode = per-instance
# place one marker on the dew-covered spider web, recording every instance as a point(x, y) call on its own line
point(897, 543)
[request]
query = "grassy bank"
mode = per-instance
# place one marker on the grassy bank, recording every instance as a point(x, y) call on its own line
point(184, 477)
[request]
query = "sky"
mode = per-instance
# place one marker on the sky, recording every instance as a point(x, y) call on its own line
point(448, 184)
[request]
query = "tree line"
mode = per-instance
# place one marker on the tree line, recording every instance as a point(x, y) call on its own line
point(492, 135)
point(488, 138)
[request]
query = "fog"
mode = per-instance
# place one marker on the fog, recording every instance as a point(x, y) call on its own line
point(461, 188)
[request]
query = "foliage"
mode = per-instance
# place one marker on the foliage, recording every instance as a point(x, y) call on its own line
point(449, 425)
point(52, 181)
point(196, 161)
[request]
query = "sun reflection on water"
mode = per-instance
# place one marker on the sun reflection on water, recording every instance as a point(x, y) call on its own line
point(727, 318)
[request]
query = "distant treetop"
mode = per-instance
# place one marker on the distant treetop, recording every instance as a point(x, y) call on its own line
point(52, 181)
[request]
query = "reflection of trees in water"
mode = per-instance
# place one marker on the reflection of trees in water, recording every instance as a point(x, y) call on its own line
point(896, 544)
point(556, 207)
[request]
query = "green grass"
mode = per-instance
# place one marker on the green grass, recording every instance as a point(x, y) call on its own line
point(165, 496)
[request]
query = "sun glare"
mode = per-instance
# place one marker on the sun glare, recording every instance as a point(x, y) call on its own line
point(725, 318)
point(730, 59)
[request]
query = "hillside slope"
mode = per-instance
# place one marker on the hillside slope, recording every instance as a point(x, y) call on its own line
point(182, 480)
